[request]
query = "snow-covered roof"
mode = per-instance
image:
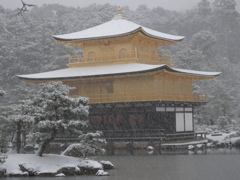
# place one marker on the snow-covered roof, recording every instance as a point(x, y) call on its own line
point(109, 70)
point(115, 27)
point(193, 72)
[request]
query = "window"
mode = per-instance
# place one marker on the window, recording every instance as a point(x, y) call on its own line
point(91, 56)
point(122, 53)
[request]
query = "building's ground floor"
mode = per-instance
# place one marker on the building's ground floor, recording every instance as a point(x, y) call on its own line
point(143, 119)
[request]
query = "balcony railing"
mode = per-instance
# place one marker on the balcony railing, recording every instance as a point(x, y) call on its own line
point(141, 97)
point(134, 57)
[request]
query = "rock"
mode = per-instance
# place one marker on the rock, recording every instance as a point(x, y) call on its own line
point(69, 170)
point(29, 167)
point(60, 175)
point(199, 146)
point(90, 167)
point(46, 174)
point(28, 148)
point(150, 150)
point(107, 165)
point(102, 173)
point(191, 147)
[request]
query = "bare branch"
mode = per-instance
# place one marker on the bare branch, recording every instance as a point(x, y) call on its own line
point(24, 7)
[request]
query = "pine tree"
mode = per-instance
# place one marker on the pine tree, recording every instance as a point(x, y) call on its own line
point(56, 113)
point(89, 145)
point(21, 122)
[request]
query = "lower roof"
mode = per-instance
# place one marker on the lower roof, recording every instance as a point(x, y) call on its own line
point(109, 70)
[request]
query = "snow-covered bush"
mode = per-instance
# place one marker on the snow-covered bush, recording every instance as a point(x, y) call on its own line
point(222, 121)
point(57, 113)
point(88, 145)
point(3, 158)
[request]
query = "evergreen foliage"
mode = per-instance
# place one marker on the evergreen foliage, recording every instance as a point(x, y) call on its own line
point(56, 113)
point(89, 145)
point(21, 123)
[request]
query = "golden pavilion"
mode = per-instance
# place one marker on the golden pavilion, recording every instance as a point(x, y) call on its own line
point(132, 88)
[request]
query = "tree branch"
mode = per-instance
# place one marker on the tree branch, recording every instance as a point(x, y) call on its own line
point(24, 7)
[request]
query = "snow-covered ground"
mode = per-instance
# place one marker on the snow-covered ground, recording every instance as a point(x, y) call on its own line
point(222, 137)
point(49, 163)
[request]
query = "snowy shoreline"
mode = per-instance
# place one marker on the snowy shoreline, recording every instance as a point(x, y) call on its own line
point(52, 165)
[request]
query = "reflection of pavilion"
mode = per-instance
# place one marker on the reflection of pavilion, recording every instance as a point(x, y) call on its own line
point(130, 86)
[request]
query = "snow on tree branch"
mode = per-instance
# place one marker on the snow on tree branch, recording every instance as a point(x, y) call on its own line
point(56, 113)
point(89, 145)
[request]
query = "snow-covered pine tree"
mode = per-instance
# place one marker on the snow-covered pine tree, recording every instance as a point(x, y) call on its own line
point(57, 113)
point(89, 145)
point(22, 122)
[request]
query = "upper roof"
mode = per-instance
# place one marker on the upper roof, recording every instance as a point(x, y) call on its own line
point(115, 28)
point(110, 70)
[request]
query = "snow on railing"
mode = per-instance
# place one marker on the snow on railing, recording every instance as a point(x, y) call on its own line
point(139, 57)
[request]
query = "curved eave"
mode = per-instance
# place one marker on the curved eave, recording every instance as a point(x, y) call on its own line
point(194, 73)
point(24, 77)
point(140, 29)
point(96, 38)
point(58, 74)
point(115, 28)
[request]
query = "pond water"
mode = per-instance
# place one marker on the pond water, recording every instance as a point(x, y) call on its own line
point(218, 164)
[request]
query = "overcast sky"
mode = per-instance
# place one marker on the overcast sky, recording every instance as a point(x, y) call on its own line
point(179, 5)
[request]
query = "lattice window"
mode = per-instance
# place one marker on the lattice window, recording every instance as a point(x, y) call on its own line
point(91, 56)
point(122, 53)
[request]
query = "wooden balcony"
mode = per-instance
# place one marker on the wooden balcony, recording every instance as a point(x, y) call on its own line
point(80, 60)
point(141, 97)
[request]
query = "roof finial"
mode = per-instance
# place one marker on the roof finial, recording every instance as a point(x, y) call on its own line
point(120, 10)
point(120, 13)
